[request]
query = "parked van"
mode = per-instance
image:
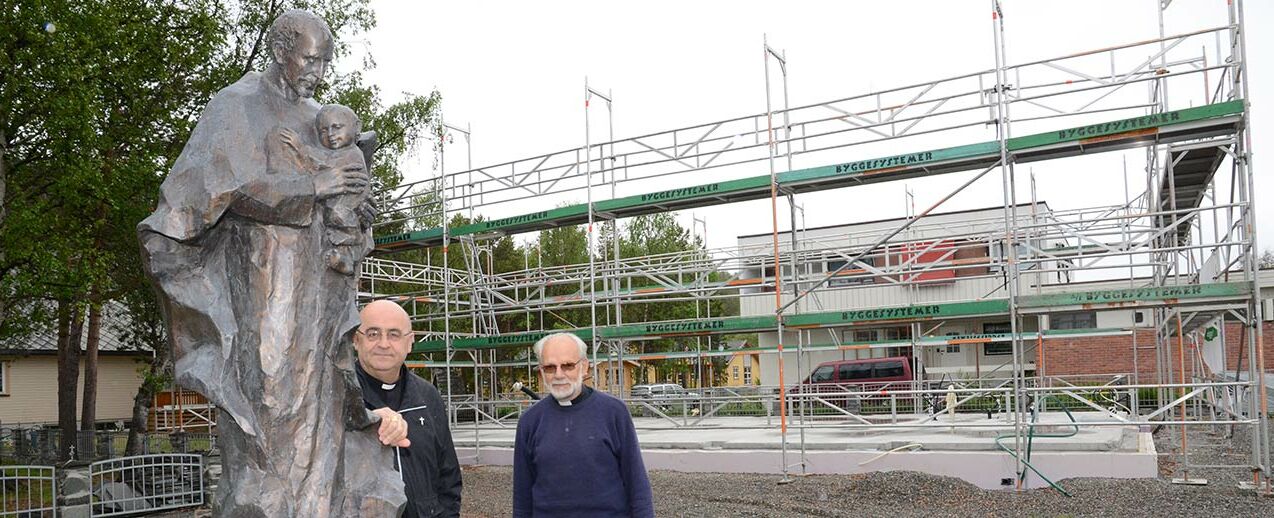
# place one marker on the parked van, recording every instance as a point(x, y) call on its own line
point(872, 370)
point(848, 376)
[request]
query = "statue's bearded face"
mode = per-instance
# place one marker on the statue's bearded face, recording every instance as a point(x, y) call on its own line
point(304, 64)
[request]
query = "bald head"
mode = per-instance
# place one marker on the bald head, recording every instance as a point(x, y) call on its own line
point(385, 309)
point(383, 340)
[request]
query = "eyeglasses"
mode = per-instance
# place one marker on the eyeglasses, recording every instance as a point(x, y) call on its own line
point(552, 369)
point(375, 334)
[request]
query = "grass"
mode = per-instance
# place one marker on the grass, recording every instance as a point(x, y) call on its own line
point(22, 495)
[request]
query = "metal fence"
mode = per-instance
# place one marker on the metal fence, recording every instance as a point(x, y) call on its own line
point(28, 491)
point(146, 483)
point(39, 444)
point(914, 404)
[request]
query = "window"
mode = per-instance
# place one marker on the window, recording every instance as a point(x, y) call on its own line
point(855, 371)
point(864, 335)
point(897, 333)
point(997, 348)
point(822, 374)
point(998, 253)
point(1075, 320)
point(889, 369)
point(4, 378)
point(997, 328)
point(953, 348)
point(747, 375)
point(923, 254)
point(735, 373)
point(850, 276)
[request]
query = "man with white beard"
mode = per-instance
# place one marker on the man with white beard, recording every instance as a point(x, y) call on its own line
point(576, 453)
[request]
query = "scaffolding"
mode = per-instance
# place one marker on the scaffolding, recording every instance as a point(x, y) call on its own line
point(1183, 249)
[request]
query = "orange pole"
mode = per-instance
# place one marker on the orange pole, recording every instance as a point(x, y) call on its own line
point(1039, 353)
point(778, 270)
point(1260, 384)
point(1181, 351)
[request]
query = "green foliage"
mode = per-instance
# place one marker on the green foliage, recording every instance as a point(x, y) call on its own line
point(93, 113)
point(90, 112)
point(399, 127)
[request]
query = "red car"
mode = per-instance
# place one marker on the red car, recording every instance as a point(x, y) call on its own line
point(852, 376)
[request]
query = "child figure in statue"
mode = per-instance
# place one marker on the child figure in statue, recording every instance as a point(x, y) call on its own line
point(338, 128)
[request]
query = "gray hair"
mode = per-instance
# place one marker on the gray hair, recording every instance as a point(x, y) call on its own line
point(539, 345)
point(288, 27)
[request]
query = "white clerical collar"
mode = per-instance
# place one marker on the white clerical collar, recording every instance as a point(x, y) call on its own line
point(563, 403)
point(388, 386)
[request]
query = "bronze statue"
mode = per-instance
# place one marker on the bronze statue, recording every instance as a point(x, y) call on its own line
point(253, 259)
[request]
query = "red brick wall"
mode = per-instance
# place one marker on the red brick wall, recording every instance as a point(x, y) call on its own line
point(1113, 354)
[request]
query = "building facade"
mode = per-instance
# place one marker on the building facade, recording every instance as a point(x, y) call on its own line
point(958, 258)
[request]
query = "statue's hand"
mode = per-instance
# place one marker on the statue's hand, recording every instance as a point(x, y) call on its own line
point(350, 180)
point(290, 139)
point(366, 213)
point(393, 428)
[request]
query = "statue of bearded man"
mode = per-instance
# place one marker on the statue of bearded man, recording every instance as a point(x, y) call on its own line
point(257, 321)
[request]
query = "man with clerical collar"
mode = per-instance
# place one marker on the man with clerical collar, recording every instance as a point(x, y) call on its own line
point(576, 453)
point(409, 407)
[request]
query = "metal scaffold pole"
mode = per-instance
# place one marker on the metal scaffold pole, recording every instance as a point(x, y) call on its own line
point(592, 265)
point(1010, 243)
point(446, 278)
point(767, 52)
point(608, 279)
point(1255, 310)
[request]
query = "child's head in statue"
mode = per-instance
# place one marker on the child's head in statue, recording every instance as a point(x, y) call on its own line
point(337, 125)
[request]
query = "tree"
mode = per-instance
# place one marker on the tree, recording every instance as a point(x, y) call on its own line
point(656, 234)
point(93, 92)
point(1267, 260)
point(97, 99)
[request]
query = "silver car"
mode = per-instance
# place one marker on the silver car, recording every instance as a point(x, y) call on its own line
point(664, 393)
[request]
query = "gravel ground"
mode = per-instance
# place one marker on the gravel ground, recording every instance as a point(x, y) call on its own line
point(895, 494)
point(487, 492)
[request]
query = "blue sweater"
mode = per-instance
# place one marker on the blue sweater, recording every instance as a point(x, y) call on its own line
point(579, 460)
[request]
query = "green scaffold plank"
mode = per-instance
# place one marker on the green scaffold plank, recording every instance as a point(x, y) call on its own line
point(900, 313)
point(721, 192)
point(1132, 296)
point(388, 241)
point(1110, 298)
point(532, 220)
point(1027, 338)
point(689, 192)
point(732, 324)
point(689, 327)
point(494, 341)
point(888, 164)
point(1126, 125)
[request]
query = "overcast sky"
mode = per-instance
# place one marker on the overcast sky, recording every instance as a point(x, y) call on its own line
point(515, 71)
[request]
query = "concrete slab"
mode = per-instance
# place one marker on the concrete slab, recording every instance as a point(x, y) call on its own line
point(835, 446)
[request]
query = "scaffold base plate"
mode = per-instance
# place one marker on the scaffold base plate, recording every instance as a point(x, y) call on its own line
point(1248, 486)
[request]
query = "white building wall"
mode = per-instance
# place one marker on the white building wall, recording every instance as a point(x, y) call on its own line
point(876, 296)
point(32, 384)
point(965, 358)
